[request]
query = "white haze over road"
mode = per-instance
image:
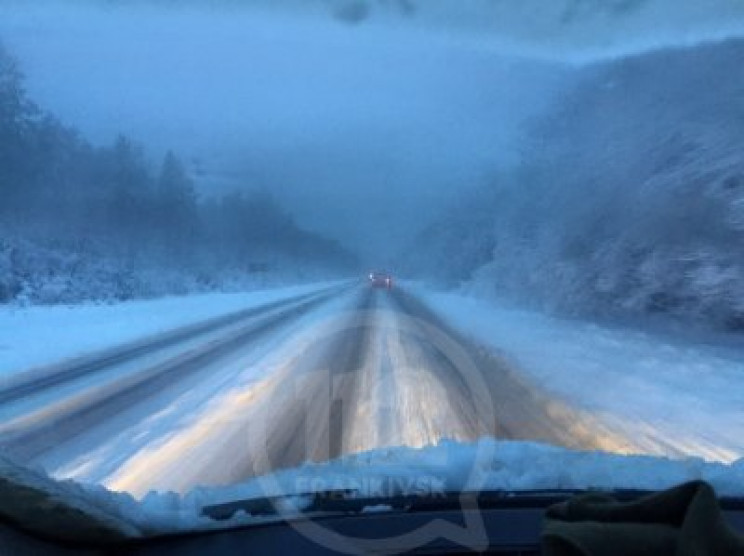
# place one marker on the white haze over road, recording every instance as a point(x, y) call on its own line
point(383, 120)
point(347, 126)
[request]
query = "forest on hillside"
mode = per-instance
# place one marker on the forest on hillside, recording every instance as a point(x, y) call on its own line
point(628, 200)
point(80, 221)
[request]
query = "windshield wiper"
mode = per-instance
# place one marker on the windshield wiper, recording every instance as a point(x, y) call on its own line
point(349, 501)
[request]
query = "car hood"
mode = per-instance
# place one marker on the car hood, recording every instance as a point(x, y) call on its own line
point(492, 471)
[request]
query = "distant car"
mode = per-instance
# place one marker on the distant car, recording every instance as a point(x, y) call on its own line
point(380, 280)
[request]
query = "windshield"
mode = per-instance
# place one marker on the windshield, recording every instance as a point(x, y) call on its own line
point(268, 248)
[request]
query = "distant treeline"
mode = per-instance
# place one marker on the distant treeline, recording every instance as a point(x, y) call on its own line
point(79, 221)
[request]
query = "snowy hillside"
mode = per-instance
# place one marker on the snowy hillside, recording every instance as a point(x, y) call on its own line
point(630, 195)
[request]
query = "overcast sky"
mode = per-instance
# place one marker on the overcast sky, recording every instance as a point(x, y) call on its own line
point(364, 130)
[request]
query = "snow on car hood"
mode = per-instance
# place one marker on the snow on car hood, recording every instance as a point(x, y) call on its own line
point(88, 512)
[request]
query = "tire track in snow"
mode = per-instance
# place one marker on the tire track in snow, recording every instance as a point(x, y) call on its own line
point(33, 381)
point(30, 435)
point(522, 411)
point(374, 377)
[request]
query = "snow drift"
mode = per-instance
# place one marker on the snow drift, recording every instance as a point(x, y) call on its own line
point(91, 513)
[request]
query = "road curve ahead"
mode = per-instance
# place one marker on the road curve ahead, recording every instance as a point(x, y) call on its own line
point(340, 372)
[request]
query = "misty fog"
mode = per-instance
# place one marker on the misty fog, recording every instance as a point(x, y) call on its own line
point(353, 128)
point(478, 145)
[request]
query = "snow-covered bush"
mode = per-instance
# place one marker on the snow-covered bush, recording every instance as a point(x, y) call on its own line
point(635, 190)
point(42, 271)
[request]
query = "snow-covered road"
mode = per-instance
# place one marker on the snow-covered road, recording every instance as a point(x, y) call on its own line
point(311, 374)
point(376, 369)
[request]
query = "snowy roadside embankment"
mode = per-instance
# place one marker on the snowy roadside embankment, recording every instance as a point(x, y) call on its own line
point(35, 336)
point(448, 467)
point(671, 396)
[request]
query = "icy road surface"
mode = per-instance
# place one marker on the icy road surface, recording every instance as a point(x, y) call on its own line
point(309, 375)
